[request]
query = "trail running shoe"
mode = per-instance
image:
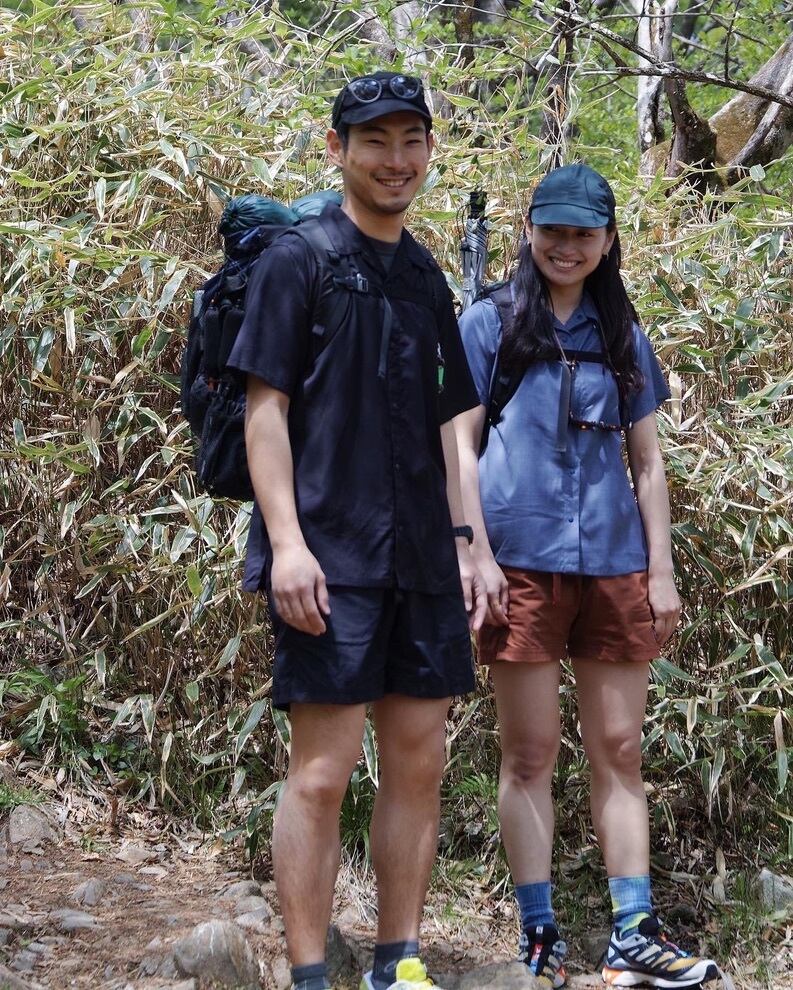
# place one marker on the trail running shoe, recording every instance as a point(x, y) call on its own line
point(647, 959)
point(410, 975)
point(543, 952)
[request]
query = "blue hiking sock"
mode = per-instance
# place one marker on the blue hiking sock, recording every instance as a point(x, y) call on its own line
point(386, 959)
point(631, 901)
point(534, 901)
point(314, 977)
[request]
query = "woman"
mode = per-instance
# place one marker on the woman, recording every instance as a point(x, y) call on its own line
point(575, 564)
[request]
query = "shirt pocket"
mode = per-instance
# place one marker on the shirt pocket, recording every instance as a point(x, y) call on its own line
point(595, 397)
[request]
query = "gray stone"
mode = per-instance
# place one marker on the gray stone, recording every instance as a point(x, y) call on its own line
point(254, 921)
point(245, 905)
point(136, 855)
point(182, 985)
point(340, 958)
point(17, 921)
point(681, 914)
point(158, 961)
point(73, 921)
point(10, 981)
point(218, 950)
point(29, 824)
point(775, 891)
point(24, 961)
point(594, 944)
point(243, 888)
point(501, 976)
point(281, 973)
point(39, 948)
point(89, 892)
point(5, 936)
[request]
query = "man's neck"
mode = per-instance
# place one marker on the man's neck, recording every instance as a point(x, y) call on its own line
point(382, 227)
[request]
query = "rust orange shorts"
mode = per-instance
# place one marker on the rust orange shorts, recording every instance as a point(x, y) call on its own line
point(552, 616)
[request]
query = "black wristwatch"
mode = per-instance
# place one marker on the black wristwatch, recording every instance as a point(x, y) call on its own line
point(465, 531)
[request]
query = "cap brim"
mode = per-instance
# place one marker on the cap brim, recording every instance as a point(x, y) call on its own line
point(380, 108)
point(568, 215)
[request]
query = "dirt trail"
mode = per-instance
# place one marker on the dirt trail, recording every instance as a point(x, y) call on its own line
point(86, 910)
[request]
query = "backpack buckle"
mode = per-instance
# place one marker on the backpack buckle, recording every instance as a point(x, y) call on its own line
point(355, 282)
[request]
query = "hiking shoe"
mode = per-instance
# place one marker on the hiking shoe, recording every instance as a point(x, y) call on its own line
point(543, 952)
point(647, 958)
point(410, 975)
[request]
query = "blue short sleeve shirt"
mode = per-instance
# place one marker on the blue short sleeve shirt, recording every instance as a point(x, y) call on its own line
point(572, 511)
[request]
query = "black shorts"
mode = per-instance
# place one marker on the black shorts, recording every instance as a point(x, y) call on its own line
point(378, 641)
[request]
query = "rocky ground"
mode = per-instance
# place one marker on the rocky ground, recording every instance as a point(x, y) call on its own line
point(136, 906)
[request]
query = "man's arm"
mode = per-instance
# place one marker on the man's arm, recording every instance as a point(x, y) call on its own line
point(473, 588)
point(468, 428)
point(299, 592)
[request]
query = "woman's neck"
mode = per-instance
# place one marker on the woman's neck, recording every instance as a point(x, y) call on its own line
point(565, 300)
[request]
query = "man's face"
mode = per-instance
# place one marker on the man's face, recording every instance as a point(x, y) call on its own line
point(385, 161)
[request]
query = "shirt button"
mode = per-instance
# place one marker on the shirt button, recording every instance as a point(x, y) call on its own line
point(569, 518)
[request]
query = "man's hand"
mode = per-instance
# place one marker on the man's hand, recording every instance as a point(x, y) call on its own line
point(496, 589)
point(300, 594)
point(473, 587)
point(664, 604)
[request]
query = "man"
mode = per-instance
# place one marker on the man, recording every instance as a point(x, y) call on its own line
point(358, 536)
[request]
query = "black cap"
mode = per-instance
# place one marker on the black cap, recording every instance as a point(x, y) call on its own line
point(574, 196)
point(349, 110)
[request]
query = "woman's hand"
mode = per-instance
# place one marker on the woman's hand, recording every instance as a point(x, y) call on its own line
point(496, 589)
point(664, 604)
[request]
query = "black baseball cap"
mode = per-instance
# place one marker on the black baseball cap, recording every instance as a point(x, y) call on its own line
point(575, 196)
point(349, 109)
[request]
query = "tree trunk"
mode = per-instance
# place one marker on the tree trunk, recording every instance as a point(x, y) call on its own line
point(655, 20)
point(555, 75)
point(752, 131)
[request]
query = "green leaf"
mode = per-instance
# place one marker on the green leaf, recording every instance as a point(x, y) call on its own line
point(194, 582)
point(191, 690)
point(255, 713)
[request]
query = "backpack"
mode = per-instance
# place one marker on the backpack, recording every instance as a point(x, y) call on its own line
point(504, 383)
point(212, 395)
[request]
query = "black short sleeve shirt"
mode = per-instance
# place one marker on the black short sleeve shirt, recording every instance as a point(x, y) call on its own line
point(364, 418)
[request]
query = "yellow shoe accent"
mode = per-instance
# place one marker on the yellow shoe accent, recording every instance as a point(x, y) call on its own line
point(412, 971)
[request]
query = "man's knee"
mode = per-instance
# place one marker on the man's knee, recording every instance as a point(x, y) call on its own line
point(416, 758)
point(320, 785)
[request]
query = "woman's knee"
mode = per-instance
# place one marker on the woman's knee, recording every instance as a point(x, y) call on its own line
point(617, 752)
point(530, 762)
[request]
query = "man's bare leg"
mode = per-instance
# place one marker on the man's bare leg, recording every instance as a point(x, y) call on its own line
point(326, 744)
point(411, 736)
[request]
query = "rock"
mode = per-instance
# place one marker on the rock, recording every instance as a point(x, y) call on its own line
point(774, 891)
point(281, 973)
point(501, 976)
point(158, 961)
point(89, 892)
point(254, 921)
point(24, 961)
point(243, 888)
point(245, 905)
point(30, 825)
point(135, 855)
point(594, 945)
point(73, 921)
point(17, 921)
point(154, 871)
point(218, 950)
point(5, 936)
point(340, 958)
point(10, 981)
point(39, 948)
point(182, 985)
point(681, 914)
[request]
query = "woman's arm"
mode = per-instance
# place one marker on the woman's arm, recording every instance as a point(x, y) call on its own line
point(649, 482)
point(468, 430)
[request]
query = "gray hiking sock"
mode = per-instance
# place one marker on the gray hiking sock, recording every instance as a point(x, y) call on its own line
point(386, 959)
point(314, 977)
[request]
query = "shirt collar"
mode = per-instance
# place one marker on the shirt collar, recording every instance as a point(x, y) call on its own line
point(356, 242)
point(585, 313)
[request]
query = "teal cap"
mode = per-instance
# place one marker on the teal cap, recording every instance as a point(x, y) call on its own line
point(575, 196)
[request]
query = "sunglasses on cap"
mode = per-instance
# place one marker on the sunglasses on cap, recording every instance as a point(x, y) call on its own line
point(368, 89)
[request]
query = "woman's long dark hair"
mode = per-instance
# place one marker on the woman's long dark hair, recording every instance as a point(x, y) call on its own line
point(530, 336)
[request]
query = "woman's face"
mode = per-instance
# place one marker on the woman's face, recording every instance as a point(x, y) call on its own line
point(566, 255)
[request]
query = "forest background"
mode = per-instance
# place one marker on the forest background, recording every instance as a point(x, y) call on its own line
point(130, 663)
